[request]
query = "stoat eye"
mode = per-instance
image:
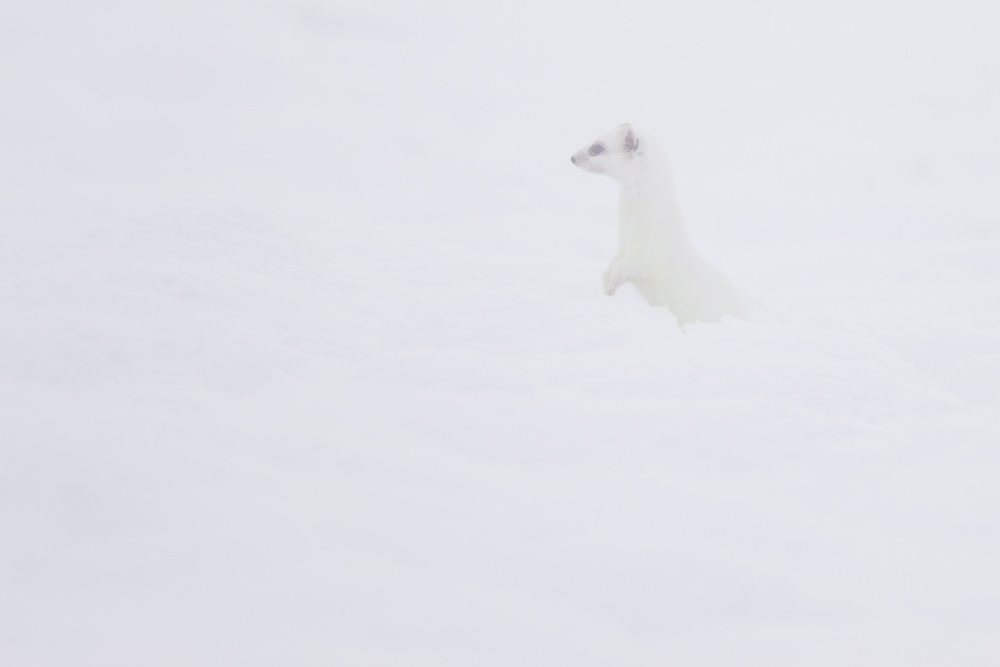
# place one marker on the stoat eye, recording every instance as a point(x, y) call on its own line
point(596, 149)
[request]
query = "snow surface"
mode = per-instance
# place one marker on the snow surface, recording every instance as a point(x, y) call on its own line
point(304, 358)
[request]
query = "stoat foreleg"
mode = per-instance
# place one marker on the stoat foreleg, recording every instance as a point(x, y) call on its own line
point(623, 268)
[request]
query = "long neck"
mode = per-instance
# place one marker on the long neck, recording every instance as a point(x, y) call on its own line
point(648, 212)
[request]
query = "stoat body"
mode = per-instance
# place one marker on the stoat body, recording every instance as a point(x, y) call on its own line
point(655, 253)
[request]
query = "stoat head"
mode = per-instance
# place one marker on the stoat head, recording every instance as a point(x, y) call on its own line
point(617, 154)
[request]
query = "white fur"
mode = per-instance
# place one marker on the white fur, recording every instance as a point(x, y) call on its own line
point(655, 253)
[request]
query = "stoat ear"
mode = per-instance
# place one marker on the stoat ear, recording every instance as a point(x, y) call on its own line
point(631, 142)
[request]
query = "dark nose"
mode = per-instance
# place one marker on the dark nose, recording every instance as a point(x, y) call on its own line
point(573, 159)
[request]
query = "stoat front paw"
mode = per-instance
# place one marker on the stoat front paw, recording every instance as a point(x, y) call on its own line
point(612, 280)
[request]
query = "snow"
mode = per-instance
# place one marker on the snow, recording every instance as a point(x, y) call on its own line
point(304, 357)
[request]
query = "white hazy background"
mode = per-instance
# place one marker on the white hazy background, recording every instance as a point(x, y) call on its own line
point(304, 357)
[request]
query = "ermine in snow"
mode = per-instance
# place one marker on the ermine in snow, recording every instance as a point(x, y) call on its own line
point(654, 251)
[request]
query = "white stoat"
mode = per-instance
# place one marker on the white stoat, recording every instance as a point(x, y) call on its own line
point(654, 251)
